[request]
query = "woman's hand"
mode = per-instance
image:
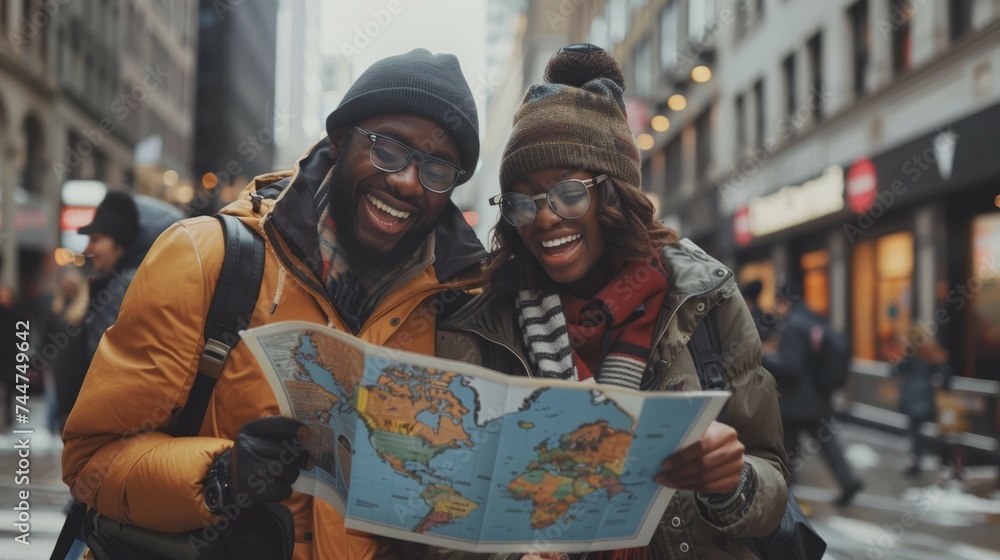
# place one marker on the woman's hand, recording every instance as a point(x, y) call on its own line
point(711, 465)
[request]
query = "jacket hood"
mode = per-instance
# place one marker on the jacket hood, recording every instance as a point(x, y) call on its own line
point(288, 201)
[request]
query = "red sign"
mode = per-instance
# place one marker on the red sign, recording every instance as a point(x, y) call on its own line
point(75, 217)
point(862, 182)
point(741, 227)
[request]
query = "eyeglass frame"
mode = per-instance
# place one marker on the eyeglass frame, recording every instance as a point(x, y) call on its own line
point(496, 199)
point(422, 157)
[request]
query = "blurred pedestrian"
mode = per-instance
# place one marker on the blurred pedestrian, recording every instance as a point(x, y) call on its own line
point(112, 231)
point(66, 330)
point(806, 406)
point(765, 322)
point(924, 368)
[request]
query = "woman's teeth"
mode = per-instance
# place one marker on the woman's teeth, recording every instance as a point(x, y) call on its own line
point(560, 241)
point(388, 209)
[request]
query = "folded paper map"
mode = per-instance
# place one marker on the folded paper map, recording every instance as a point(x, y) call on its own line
point(457, 456)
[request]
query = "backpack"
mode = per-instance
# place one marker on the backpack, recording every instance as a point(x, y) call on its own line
point(232, 306)
point(833, 360)
point(794, 538)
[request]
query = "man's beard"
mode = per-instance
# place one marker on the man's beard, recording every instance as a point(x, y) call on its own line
point(344, 202)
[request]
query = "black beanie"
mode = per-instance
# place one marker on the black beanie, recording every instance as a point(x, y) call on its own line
point(117, 217)
point(421, 83)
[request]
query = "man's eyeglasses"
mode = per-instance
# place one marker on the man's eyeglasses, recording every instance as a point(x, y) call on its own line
point(568, 199)
point(386, 154)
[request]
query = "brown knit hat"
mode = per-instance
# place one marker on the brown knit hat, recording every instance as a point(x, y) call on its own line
point(575, 120)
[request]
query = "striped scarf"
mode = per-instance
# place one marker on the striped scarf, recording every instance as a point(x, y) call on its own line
point(609, 334)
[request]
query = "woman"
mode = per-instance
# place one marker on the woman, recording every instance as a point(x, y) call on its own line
point(923, 370)
point(586, 285)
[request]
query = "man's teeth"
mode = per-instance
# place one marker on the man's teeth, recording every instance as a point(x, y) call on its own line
point(388, 209)
point(560, 241)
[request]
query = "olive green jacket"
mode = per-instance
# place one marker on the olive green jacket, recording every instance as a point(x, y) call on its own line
point(486, 329)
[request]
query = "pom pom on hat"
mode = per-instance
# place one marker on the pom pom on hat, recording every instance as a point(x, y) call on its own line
point(576, 120)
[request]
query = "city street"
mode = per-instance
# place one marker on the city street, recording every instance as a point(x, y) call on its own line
point(945, 521)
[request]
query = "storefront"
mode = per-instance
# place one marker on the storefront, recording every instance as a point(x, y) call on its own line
point(908, 236)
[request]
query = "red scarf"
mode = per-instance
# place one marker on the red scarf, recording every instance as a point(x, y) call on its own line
point(629, 306)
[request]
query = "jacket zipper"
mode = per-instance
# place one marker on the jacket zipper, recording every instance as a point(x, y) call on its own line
point(673, 313)
point(307, 283)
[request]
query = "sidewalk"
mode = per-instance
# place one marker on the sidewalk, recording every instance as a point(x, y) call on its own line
point(897, 516)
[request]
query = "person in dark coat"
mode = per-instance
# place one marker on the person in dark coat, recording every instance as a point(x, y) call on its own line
point(804, 406)
point(112, 232)
point(924, 368)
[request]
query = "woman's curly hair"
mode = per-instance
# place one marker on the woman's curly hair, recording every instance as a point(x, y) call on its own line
point(627, 222)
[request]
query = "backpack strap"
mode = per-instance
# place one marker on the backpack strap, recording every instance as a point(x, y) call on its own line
point(232, 307)
point(704, 347)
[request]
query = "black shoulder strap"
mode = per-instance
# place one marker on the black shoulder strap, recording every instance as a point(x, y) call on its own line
point(705, 350)
point(231, 309)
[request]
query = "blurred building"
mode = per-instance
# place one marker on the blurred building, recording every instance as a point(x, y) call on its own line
point(236, 117)
point(88, 90)
point(842, 145)
point(299, 79)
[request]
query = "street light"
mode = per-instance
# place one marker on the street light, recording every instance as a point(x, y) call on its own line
point(660, 123)
point(701, 74)
point(645, 141)
point(677, 102)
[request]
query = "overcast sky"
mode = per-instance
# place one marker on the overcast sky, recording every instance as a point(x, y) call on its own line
point(452, 26)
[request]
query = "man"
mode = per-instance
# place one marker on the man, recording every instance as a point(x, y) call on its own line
point(805, 406)
point(114, 227)
point(363, 237)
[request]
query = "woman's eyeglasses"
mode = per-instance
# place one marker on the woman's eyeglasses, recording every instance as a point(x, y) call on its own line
point(386, 154)
point(569, 199)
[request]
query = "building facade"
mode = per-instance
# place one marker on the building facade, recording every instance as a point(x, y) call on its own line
point(843, 146)
point(88, 90)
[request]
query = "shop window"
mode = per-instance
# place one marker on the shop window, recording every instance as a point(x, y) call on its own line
point(882, 286)
point(816, 281)
point(984, 309)
point(763, 271)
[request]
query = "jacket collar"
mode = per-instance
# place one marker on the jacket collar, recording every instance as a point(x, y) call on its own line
point(296, 216)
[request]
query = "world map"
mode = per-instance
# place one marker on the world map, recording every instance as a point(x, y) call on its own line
point(479, 459)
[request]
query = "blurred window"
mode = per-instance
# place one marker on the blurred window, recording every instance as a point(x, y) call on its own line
point(674, 165)
point(816, 281)
point(763, 271)
point(788, 72)
point(984, 315)
point(703, 146)
point(860, 44)
point(598, 33)
point(3, 15)
point(815, 49)
point(700, 16)
point(668, 36)
point(617, 20)
point(960, 16)
point(758, 99)
point(901, 14)
point(881, 295)
point(643, 69)
point(741, 127)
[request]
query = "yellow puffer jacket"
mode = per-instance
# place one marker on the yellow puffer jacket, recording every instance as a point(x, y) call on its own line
point(116, 456)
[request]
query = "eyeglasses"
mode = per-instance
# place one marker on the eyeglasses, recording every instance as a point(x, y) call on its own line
point(569, 199)
point(386, 154)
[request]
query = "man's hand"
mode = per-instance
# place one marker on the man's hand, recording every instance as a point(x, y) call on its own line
point(711, 465)
point(266, 460)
